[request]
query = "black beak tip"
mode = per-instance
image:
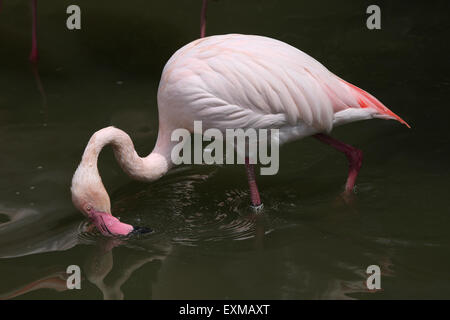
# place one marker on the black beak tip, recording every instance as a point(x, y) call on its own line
point(140, 230)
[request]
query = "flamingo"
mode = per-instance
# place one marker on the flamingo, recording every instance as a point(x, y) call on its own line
point(34, 55)
point(230, 81)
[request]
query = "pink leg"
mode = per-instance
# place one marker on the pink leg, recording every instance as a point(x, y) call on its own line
point(34, 50)
point(254, 194)
point(353, 155)
point(203, 19)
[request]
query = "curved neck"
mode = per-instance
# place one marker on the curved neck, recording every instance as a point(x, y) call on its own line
point(150, 168)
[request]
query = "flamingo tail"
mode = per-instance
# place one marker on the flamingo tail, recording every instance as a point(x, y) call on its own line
point(366, 100)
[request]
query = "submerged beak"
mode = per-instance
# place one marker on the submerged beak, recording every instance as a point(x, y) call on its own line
point(140, 230)
point(109, 225)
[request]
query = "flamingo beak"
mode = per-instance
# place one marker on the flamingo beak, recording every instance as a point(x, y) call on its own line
point(109, 225)
point(140, 230)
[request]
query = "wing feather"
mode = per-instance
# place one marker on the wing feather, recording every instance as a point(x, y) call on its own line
point(254, 80)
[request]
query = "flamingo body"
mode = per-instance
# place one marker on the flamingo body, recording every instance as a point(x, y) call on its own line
point(230, 82)
point(246, 81)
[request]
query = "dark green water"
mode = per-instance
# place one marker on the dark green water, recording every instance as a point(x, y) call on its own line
point(309, 244)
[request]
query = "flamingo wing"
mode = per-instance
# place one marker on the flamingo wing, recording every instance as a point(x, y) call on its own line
point(254, 81)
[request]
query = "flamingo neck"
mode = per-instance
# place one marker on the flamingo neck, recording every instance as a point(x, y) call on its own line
point(149, 168)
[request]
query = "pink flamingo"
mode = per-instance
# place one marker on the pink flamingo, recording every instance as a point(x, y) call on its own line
point(230, 81)
point(34, 56)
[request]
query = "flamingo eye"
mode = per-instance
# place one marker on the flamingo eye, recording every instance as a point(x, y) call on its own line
point(88, 208)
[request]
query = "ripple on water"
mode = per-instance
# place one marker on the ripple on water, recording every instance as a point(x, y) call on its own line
point(184, 210)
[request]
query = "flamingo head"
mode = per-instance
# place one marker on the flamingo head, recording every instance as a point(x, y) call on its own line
point(90, 197)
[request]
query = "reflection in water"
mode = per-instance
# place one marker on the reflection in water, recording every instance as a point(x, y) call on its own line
point(54, 280)
point(184, 228)
point(100, 263)
point(175, 207)
point(186, 212)
point(16, 242)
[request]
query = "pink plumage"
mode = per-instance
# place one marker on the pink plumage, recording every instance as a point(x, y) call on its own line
point(230, 82)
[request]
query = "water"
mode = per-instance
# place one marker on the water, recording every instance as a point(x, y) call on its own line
point(309, 243)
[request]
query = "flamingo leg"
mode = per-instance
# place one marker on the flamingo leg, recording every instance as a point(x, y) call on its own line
point(34, 50)
point(203, 18)
point(354, 157)
point(254, 194)
point(249, 168)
